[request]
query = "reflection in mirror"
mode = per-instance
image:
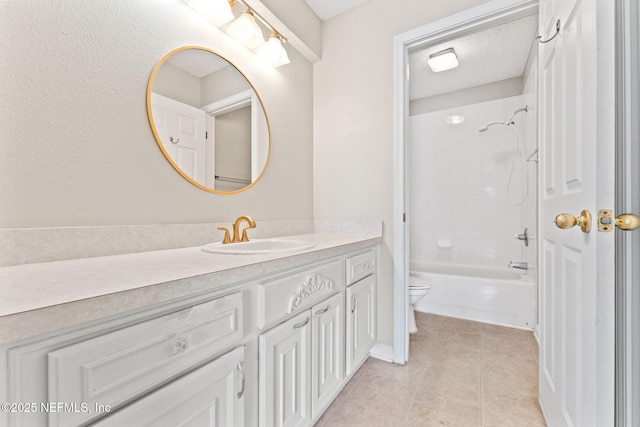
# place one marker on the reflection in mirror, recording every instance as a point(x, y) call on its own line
point(208, 120)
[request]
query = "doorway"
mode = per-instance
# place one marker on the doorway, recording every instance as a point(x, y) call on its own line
point(471, 21)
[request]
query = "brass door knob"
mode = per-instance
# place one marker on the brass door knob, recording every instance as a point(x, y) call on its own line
point(628, 222)
point(565, 221)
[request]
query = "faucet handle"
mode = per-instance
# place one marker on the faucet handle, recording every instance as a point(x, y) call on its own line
point(227, 237)
point(244, 237)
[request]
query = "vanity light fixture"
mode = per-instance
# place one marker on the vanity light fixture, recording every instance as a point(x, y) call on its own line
point(273, 52)
point(218, 12)
point(244, 29)
point(443, 60)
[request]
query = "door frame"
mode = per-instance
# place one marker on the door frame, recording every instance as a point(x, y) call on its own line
point(627, 385)
point(471, 20)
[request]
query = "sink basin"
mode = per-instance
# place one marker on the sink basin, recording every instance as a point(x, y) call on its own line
point(259, 246)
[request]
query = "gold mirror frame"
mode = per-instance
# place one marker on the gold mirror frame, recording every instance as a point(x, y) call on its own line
point(158, 140)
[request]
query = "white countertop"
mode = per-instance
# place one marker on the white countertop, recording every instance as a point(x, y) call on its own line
point(37, 298)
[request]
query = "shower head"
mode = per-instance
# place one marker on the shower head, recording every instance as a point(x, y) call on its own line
point(519, 110)
point(488, 125)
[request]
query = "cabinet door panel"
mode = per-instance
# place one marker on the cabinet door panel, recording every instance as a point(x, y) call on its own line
point(327, 355)
point(209, 396)
point(285, 367)
point(361, 322)
point(118, 366)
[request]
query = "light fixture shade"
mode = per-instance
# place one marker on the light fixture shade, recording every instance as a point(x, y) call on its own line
point(443, 60)
point(216, 11)
point(245, 29)
point(273, 52)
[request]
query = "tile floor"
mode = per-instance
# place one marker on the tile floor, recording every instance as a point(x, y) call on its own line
point(460, 374)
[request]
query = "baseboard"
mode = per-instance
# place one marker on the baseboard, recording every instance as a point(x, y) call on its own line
point(382, 352)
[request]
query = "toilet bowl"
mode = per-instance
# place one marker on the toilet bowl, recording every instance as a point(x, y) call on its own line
point(418, 288)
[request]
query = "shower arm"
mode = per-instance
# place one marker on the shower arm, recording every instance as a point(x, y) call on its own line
point(507, 122)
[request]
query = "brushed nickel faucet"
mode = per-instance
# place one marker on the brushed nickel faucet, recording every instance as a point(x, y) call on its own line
point(236, 230)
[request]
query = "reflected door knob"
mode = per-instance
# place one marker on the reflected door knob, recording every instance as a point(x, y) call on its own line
point(565, 221)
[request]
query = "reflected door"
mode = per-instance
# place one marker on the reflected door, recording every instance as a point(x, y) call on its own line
point(182, 130)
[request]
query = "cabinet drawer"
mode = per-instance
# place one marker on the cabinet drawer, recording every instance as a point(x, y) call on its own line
point(209, 396)
point(298, 291)
point(115, 367)
point(360, 266)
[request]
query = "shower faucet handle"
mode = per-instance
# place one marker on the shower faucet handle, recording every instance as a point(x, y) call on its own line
point(519, 265)
point(524, 236)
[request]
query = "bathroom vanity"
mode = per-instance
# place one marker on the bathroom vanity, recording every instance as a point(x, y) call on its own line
point(237, 340)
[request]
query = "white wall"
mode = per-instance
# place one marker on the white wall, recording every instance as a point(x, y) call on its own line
point(458, 186)
point(530, 208)
point(353, 120)
point(473, 95)
point(76, 146)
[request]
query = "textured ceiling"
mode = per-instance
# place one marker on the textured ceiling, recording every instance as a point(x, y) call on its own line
point(488, 56)
point(326, 9)
point(198, 62)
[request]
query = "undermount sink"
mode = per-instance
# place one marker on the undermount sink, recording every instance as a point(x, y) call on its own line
point(259, 246)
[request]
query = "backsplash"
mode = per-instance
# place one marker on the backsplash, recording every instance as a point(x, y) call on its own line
point(34, 245)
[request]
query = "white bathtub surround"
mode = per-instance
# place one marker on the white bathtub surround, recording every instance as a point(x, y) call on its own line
point(490, 295)
point(40, 297)
point(460, 210)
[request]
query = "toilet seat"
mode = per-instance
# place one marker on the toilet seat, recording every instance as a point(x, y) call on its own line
point(418, 283)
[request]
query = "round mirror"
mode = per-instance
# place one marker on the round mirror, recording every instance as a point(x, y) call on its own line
point(208, 120)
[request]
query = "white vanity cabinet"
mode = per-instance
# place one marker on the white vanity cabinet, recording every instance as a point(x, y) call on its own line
point(327, 352)
point(361, 310)
point(301, 365)
point(272, 350)
point(285, 373)
point(212, 395)
point(95, 371)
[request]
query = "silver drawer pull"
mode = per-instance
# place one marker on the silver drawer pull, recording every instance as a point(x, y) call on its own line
point(324, 310)
point(241, 392)
point(354, 303)
point(301, 324)
point(181, 345)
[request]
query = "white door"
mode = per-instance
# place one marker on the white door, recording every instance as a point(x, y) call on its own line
point(285, 370)
point(209, 396)
point(577, 173)
point(360, 322)
point(327, 354)
point(182, 130)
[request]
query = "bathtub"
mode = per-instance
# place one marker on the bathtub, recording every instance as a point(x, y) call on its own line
point(490, 295)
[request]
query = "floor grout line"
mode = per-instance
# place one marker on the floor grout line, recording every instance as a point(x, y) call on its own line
point(481, 376)
point(422, 374)
point(446, 345)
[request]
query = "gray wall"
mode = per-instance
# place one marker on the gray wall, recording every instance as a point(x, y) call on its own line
point(353, 120)
point(76, 146)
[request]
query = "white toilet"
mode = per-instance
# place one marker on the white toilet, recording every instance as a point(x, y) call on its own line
point(418, 288)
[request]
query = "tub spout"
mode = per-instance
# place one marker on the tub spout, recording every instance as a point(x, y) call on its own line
point(518, 265)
